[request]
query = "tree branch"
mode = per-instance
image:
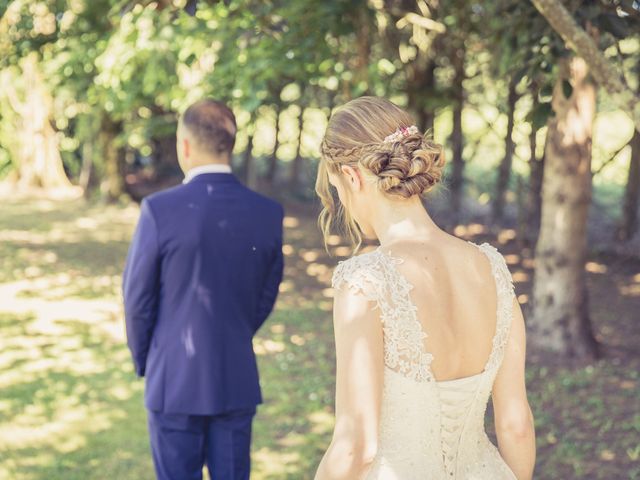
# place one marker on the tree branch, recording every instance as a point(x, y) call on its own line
point(604, 72)
point(610, 159)
point(422, 22)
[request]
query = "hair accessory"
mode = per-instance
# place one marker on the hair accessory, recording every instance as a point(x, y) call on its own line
point(400, 133)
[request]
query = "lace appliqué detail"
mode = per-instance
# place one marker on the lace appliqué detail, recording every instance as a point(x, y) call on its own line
point(361, 274)
point(375, 275)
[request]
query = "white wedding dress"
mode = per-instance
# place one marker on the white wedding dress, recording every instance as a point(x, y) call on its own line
point(429, 429)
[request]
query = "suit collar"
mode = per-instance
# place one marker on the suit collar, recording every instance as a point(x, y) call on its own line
point(206, 169)
point(215, 177)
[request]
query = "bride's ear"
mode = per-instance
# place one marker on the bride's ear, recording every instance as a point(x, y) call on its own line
point(352, 176)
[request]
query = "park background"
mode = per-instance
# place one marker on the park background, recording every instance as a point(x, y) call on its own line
point(535, 102)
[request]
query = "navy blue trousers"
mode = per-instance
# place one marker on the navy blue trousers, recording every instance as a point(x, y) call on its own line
point(182, 444)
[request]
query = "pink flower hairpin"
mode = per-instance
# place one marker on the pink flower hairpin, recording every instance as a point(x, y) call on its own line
point(400, 133)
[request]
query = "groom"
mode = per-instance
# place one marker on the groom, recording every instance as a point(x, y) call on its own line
point(201, 276)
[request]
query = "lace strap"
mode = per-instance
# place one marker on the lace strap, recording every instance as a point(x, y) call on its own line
point(375, 274)
point(505, 294)
point(360, 274)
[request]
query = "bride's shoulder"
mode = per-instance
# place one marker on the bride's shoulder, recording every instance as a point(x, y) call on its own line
point(488, 249)
point(361, 272)
point(498, 263)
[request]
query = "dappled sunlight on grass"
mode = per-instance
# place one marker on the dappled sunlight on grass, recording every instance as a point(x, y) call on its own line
point(469, 230)
point(309, 255)
point(65, 373)
point(631, 289)
point(595, 267)
point(63, 383)
point(512, 259)
point(520, 277)
point(264, 347)
point(287, 250)
point(277, 463)
point(318, 269)
point(342, 251)
point(506, 235)
point(297, 382)
point(290, 222)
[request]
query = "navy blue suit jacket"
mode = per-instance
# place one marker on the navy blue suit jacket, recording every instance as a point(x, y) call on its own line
point(201, 276)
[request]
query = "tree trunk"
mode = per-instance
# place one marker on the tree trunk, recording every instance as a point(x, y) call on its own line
point(296, 164)
point(112, 186)
point(249, 167)
point(88, 180)
point(504, 171)
point(273, 160)
point(420, 86)
point(521, 212)
point(560, 317)
point(363, 50)
point(165, 157)
point(428, 115)
point(536, 172)
point(34, 148)
point(629, 224)
point(605, 73)
point(457, 139)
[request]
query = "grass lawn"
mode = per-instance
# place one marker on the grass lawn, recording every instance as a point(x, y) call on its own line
point(71, 407)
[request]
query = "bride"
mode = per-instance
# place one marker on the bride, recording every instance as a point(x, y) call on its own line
point(427, 326)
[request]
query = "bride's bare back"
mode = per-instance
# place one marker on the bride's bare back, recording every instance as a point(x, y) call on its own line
point(455, 297)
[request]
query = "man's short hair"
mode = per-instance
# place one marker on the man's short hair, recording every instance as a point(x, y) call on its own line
point(212, 124)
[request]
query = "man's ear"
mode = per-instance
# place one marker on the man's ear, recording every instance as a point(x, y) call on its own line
point(352, 177)
point(186, 148)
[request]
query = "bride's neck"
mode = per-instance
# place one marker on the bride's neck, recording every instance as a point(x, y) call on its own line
point(399, 220)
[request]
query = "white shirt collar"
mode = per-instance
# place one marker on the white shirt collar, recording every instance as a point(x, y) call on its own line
point(211, 168)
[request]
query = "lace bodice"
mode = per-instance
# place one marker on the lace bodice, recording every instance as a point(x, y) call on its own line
point(429, 429)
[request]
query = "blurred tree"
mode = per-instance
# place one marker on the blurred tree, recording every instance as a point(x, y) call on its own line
point(25, 100)
point(523, 51)
point(296, 164)
point(457, 136)
point(504, 169)
point(560, 318)
point(560, 315)
point(27, 130)
point(411, 38)
point(536, 170)
point(629, 224)
point(618, 16)
point(629, 221)
point(439, 36)
point(83, 29)
point(529, 48)
point(280, 47)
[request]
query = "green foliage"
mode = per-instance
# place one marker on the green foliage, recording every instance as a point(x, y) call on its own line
point(136, 64)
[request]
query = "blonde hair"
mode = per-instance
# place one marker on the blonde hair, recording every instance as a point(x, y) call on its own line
point(355, 135)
